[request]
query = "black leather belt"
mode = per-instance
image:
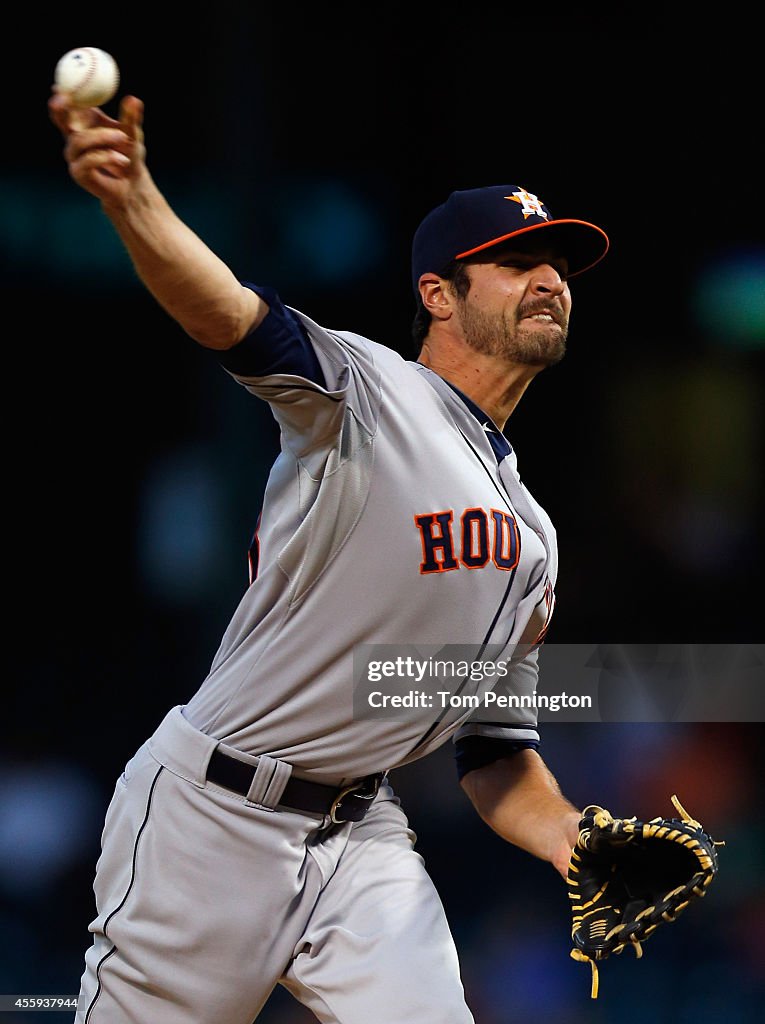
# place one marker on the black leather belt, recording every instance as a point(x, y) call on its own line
point(350, 803)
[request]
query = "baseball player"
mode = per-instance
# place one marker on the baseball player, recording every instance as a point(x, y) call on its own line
point(255, 838)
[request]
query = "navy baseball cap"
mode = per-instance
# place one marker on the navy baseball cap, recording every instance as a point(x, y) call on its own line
point(475, 219)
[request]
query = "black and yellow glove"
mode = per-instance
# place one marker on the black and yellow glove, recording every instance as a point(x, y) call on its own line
point(626, 877)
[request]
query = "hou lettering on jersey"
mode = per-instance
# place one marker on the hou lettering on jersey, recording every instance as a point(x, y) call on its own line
point(480, 536)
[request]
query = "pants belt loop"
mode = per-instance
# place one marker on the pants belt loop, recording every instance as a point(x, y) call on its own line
point(267, 786)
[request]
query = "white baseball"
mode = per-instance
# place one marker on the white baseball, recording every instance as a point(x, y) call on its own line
point(88, 75)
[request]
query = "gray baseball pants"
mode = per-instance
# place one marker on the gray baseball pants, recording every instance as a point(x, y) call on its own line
point(207, 900)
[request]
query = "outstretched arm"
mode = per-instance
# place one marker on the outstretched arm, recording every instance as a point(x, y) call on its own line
point(107, 158)
point(520, 800)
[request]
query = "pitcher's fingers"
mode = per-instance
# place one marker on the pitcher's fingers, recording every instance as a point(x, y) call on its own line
point(69, 118)
point(96, 138)
point(100, 159)
point(59, 109)
point(131, 116)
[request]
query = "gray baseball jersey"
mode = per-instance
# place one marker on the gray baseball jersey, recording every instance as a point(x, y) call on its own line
point(387, 519)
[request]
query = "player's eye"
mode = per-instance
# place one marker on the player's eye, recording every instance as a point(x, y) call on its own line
point(523, 264)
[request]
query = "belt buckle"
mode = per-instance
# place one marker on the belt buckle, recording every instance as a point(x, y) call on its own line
point(353, 790)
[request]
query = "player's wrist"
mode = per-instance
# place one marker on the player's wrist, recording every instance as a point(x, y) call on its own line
point(561, 852)
point(141, 199)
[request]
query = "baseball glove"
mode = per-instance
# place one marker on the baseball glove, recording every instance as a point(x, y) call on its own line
point(626, 877)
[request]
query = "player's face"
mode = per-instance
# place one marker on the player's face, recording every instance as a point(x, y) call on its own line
point(518, 306)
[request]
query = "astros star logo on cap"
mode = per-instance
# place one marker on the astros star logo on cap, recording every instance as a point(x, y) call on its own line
point(530, 205)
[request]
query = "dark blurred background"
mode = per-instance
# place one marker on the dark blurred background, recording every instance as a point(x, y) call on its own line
point(304, 145)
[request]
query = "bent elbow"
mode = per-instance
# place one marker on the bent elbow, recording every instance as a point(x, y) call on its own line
point(219, 341)
point(221, 327)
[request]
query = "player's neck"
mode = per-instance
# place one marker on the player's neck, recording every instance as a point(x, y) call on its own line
point(495, 386)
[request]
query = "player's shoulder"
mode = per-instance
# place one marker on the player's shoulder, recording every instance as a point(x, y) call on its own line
point(384, 355)
point(362, 347)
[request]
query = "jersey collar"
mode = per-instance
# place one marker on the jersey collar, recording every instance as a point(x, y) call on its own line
point(499, 443)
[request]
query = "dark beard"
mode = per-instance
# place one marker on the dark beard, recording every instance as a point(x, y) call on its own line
point(522, 342)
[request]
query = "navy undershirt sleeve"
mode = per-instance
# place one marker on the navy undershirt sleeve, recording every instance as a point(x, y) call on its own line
point(473, 752)
point(280, 344)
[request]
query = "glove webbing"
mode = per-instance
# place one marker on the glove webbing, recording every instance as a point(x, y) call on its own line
point(603, 819)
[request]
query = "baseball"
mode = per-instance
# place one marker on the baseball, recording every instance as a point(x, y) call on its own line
point(88, 75)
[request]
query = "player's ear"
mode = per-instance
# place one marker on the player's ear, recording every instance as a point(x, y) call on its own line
point(435, 296)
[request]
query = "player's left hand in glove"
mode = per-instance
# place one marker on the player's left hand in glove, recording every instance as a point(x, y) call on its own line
point(626, 877)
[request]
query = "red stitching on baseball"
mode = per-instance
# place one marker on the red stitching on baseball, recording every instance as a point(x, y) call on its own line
point(91, 69)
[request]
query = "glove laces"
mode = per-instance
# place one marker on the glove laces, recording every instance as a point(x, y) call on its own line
point(577, 954)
